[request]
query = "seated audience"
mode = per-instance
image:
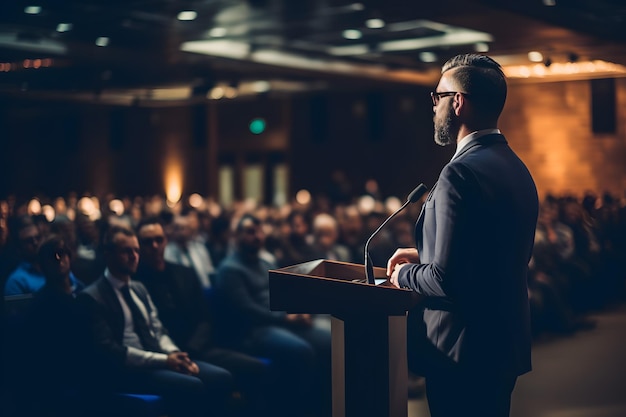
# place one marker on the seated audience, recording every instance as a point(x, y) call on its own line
point(186, 249)
point(132, 350)
point(185, 312)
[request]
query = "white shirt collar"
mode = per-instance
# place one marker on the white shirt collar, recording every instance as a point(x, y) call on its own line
point(115, 282)
point(464, 143)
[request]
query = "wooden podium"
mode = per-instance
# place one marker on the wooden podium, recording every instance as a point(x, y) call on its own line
point(368, 325)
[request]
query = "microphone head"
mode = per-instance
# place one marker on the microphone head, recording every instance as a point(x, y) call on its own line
point(417, 193)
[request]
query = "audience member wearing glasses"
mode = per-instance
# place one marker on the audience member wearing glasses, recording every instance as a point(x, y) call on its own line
point(27, 277)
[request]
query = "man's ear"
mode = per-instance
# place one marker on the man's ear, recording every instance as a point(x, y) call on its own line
point(459, 104)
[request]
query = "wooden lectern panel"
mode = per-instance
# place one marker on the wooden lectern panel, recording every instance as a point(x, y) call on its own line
point(369, 358)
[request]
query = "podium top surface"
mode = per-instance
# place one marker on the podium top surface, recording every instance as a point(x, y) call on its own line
point(324, 286)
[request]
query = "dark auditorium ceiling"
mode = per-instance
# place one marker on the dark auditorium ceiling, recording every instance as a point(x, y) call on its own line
point(142, 48)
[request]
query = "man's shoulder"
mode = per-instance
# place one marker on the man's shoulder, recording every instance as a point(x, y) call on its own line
point(94, 290)
point(178, 270)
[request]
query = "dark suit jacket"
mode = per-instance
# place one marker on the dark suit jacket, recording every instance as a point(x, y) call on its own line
point(183, 309)
point(101, 304)
point(475, 238)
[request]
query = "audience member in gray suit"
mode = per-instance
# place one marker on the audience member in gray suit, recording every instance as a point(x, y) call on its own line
point(474, 239)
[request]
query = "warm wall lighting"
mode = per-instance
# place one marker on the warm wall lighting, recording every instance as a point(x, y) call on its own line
point(535, 56)
point(567, 70)
point(173, 181)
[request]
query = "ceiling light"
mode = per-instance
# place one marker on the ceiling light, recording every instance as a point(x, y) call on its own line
point(64, 27)
point(102, 41)
point(216, 93)
point(357, 6)
point(549, 2)
point(32, 9)
point(428, 57)
point(187, 15)
point(224, 48)
point(375, 23)
point(352, 34)
point(481, 47)
point(534, 56)
point(261, 86)
point(217, 32)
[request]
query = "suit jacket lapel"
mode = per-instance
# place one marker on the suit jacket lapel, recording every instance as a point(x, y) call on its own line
point(110, 299)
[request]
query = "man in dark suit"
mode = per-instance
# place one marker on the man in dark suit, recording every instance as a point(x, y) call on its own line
point(186, 313)
point(474, 240)
point(132, 349)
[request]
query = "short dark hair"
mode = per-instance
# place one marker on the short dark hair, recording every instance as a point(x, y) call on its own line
point(482, 79)
point(50, 246)
point(255, 221)
point(107, 242)
point(147, 221)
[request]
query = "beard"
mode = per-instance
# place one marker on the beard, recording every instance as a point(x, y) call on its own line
point(446, 129)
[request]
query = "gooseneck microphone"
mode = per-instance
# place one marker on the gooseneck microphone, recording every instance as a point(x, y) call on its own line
point(415, 195)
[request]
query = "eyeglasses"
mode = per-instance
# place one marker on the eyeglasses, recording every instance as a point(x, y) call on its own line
point(148, 241)
point(60, 253)
point(435, 96)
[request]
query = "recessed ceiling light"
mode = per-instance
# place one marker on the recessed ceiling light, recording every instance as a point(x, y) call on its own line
point(64, 27)
point(549, 2)
point(102, 41)
point(375, 23)
point(217, 32)
point(481, 47)
point(261, 86)
point(352, 34)
point(428, 56)
point(32, 9)
point(187, 15)
point(535, 56)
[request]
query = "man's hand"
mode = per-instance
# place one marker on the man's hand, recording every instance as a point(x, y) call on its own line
point(180, 362)
point(402, 256)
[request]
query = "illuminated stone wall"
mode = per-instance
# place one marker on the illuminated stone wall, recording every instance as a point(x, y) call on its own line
point(550, 127)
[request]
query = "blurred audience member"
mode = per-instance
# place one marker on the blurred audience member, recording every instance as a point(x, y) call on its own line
point(88, 263)
point(325, 237)
point(293, 342)
point(27, 277)
point(55, 322)
point(187, 249)
point(297, 245)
